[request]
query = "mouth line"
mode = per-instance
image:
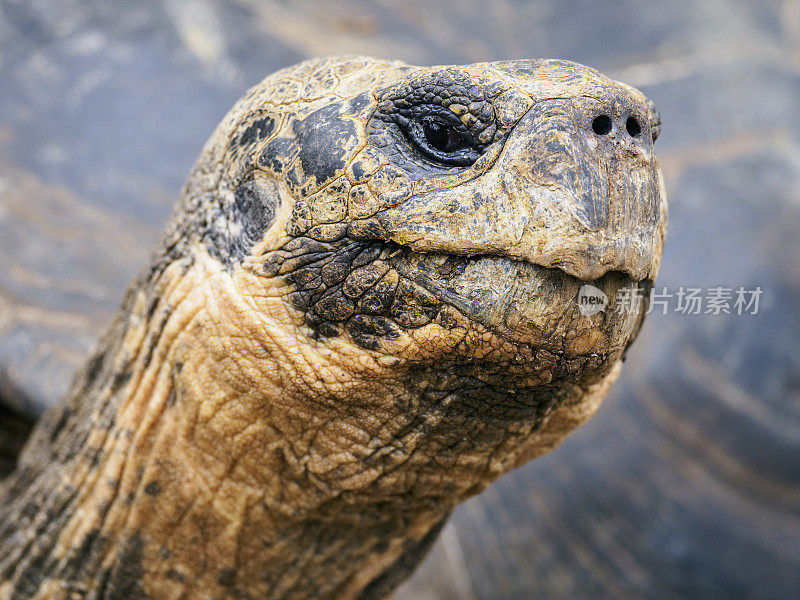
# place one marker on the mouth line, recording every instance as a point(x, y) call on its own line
point(454, 263)
point(520, 302)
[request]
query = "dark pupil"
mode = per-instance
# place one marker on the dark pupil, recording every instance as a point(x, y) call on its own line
point(441, 137)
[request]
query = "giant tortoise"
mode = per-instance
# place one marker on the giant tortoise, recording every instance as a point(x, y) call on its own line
point(366, 307)
point(683, 485)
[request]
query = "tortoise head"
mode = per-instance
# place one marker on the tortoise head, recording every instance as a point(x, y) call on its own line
point(394, 257)
point(445, 216)
point(365, 309)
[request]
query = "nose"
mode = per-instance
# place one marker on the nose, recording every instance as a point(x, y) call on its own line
point(592, 177)
point(617, 122)
point(604, 125)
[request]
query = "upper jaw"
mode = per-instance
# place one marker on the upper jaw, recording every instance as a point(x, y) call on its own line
point(631, 256)
point(504, 229)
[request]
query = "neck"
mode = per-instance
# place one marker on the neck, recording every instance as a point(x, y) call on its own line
point(171, 469)
point(158, 478)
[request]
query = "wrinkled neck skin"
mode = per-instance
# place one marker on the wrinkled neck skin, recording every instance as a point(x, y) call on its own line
point(203, 454)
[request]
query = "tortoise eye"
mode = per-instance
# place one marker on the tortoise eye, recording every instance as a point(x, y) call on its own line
point(440, 140)
point(442, 137)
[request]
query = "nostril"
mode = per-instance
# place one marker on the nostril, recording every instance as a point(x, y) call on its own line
point(601, 125)
point(633, 127)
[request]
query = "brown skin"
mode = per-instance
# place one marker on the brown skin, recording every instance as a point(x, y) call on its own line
point(362, 313)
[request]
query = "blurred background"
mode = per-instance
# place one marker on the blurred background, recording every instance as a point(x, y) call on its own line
point(687, 483)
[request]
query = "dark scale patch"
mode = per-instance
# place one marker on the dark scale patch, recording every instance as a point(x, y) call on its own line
point(272, 265)
point(369, 254)
point(328, 329)
point(359, 103)
point(227, 577)
point(278, 154)
point(366, 229)
point(175, 575)
point(379, 297)
point(413, 306)
point(460, 398)
point(502, 408)
point(351, 286)
point(371, 325)
point(153, 488)
point(335, 271)
point(452, 266)
point(321, 137)
point(124, 580)
point(413, 553)
point(335, 307)
point(258, 130)
point(358, 172)
point(121, 378)
point(84, 561)
point(363, 278)
point(95, 456)
point(95, 366)
point(172, 398)
point(155, 334)
point(152, 305)
point(231, 234)
point(256, 207)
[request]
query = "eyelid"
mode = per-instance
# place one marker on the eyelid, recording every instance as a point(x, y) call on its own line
point(443, 117)
point(422, 111)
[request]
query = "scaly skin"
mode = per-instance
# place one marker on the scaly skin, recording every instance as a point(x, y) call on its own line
point(345, 332)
